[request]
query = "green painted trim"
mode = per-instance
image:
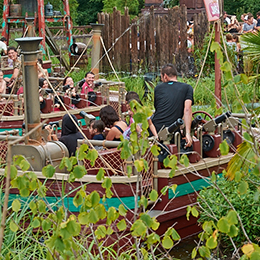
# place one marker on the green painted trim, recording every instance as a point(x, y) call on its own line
point(128, 202)
point(188, 188)
point(8, 129)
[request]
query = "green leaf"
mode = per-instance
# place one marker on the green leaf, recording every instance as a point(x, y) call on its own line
point(122, 211)
point(92, 155)
point(93, 217)
point(82, 151)
point(107, 183)
point(153, 195)
point(232, 217)
point(237, 78)
point(213, 176)
point(46, 224)
point(194, 212)
point(36, 223)
point(13, 226)
point(73, 227)
point(233, 232)
point(247, 136)
point(224, 148)
point(223, 225)
point(174, 187)
point(184, 160)
point(164, 189)
point(16, 205)
point(41, 206)
point(175, 235)
point(139, 165)
point(138, 228)
point(13, 171)
point(79, 171)
point(121, 225)
point(207, 227)
point(194, 252)
point(100, 174)
point(100, 232)
point(255, 256)
point(129, 170)
point(167, 242)
point(242, 188)
point(212, 242)
point(143, 201)
point(48, 171)
point(244, 78)
point(111, 215)
point(226, 67)
point(24, 165)
point(94, 198)
point(78, 199)
point(83, 218)
point(59, 245)
point(25, 192)
point(33, 207)
point(204, 251)
point(238, 176)
point(245, 98)
point(152, 238)
point(155, 150)
point(101, 211)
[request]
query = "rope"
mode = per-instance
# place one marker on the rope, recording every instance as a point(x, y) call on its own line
point(106, 53)
point(205, 58)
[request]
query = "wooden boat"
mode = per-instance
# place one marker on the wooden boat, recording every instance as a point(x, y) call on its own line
point(169, 209)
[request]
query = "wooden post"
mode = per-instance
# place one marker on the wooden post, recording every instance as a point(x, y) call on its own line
point(134, 49)
point(217, 68)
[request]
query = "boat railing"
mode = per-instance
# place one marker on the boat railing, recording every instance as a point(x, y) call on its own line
point(11, 104)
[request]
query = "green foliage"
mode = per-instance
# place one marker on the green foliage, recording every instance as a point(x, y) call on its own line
point(132, 5)
point(87, 11)
point(227, 222)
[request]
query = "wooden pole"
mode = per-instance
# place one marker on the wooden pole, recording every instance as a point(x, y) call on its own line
point(217, 68)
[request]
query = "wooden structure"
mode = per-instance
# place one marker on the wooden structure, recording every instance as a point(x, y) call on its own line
point(151, 40)
point(193, 7)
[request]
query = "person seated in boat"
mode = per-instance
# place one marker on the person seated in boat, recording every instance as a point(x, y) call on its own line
point(134, 96)
point(17, 79)
point(172, 100)
point(43, 84)
point(97, 128)
point(69, 89)
point(42, 73)
point(69, 133)
point(111, 120)
point(2, 84)
point(3, 46)
point(88, 85)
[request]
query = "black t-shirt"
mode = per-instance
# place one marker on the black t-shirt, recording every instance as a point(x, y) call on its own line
point(169, 99)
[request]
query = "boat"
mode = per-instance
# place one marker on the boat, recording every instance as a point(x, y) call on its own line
point(104, 177)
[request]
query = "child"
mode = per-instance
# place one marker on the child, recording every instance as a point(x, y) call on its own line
point(134, 96)
point(97, 127)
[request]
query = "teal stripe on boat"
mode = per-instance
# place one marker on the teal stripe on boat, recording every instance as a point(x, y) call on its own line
point(129, 202)
point(8, 129)
point(187, 188)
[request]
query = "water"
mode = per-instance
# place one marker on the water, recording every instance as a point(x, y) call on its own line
point(184, 248)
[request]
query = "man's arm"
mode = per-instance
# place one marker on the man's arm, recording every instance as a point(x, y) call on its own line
point(187, 117)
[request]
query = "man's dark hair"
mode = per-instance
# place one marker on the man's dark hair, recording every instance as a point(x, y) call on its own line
point(99, 125)
point(169, 69)
point(258, 13)
point(130, 95)
point(11, 48)
point(89, 72)
point(3, 39)
point(108, 115)
point(40, 61)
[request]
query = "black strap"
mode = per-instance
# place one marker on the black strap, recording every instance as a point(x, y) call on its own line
point(119, 128)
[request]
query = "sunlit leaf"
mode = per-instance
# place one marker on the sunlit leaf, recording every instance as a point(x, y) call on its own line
point(232, 217)
point(48, 171)
point(13, 226)
point(233, 232)
point(174, 187)
point(224, 148)
point(155, 150)
point(16, 205)
point(122, 211)
point(167, 242)
point(248, 249)
point(36, 223)
point(153, 195)
point(121, 225)
point(223, 225)
point(100, 175)
point(204, 251)
point(79, 171)
point(138, 228)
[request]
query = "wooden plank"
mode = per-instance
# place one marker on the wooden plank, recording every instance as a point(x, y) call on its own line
point(117, 41)
point(134, 48)
point(158, 40)
point(164, 42)
point(151, 46)
point(127, 41)
point(142, 33)
point(110, 40)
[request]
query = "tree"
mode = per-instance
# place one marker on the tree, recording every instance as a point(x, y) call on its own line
point(133, 6)
point(87, 11)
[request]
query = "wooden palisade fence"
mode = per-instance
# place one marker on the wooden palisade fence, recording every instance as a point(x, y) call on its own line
point(149, 41)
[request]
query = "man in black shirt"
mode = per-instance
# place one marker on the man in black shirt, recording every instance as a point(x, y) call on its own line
point(172, 100)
